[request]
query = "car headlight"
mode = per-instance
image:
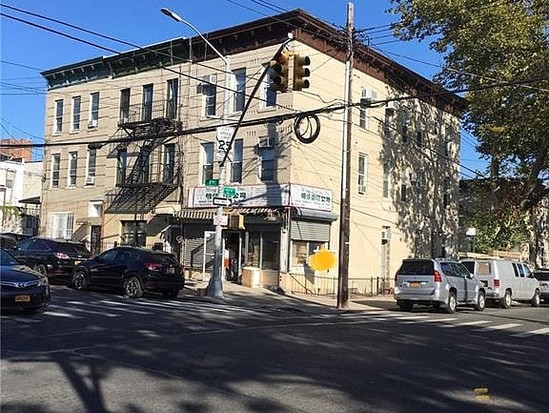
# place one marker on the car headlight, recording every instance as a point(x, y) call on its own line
point(43, 281)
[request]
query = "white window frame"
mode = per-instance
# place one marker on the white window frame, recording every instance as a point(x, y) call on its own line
point(94, 110)
point(76, 113)
point(236, 161)
point(268, 96)
point(61, 225)
point(386, 185)
point(239, 87)
point(91, 167)
point(364, 113)
point(206, 160)
point(209, 95)
point(362, 173)
point(55, 170)
point(58, 124)
point(95, 209)
point(72, 169)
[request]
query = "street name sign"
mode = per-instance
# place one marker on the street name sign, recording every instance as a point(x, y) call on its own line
point(229, 192)
point(218, 201)
point(212, 182)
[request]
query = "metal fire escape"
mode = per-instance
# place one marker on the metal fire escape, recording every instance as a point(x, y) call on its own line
point(155, 171)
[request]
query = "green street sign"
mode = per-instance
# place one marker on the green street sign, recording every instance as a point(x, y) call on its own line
point(229, 192)
point(212, 182)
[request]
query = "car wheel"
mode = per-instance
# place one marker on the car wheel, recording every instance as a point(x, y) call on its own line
point(405, 305)
point(41, 268)
point(481, 302)
point(505, 302)
point(536, 301)
point(80, 280)
point(132, 288)
point(451, 304)
point(170, 294)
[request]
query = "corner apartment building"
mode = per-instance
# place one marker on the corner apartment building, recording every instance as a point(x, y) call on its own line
point(132, 153)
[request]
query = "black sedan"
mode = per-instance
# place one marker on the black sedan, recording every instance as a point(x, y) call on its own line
point(132, 270)
point(20, 287)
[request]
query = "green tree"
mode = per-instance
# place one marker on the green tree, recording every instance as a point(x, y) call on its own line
point(487, 42)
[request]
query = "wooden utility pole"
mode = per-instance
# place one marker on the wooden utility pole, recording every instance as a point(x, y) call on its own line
point(345, 204)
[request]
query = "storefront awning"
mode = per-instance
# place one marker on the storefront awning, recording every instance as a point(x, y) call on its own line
point(206, 214)
point(313, 214)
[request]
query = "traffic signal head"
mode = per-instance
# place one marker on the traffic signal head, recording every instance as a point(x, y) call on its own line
point(279, 73)
point(301, 72)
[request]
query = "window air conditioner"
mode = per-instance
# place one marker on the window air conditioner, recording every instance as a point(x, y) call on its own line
point(266, 142)
point(390, 108)
point(92, 123)
point(210, 79)
point(90, 180)
point(385, 234)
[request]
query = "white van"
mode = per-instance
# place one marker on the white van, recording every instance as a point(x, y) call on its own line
point(505, 280)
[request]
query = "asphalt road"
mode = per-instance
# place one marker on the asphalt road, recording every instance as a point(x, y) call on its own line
point(97, 352)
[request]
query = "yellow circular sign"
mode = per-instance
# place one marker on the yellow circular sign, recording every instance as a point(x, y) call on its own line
point(322, 260)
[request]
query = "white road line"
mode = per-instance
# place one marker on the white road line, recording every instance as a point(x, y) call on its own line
point(439, 320)
point(81, 310)
point(500, 327)
point(468, 323)
point(541, 331)
point(58, 314)
point(22, 319)
point(125, 310)
point(412, 317)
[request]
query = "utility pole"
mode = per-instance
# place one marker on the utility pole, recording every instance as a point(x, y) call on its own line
point(345, 203)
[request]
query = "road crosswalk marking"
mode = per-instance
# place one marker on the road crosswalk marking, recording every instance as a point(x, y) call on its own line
point(541, 331)
point(466, 324)
point(500, 327)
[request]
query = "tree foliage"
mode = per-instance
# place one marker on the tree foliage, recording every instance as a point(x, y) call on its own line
point(485, 43)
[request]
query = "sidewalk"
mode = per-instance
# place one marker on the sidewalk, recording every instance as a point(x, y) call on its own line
point(262, 298)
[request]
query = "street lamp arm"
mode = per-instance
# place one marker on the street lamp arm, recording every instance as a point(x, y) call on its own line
point(179, 19)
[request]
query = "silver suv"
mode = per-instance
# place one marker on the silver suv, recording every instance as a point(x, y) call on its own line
point(439, 283)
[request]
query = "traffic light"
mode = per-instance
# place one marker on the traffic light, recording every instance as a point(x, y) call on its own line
point(279, 73)
point(300, 72)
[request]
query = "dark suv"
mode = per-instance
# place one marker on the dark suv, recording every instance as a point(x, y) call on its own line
point(54, 258)
point(132, 270)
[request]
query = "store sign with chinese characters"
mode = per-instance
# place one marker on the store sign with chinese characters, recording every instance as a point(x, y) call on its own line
point(266, 196)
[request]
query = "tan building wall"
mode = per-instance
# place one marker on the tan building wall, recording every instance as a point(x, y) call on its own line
point(416, 226)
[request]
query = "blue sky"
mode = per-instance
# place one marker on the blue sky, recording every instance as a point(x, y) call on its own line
point(27, 50)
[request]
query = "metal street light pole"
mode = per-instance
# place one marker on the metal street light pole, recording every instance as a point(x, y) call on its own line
point(215, 287)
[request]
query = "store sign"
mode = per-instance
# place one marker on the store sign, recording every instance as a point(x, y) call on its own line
point(265, 196)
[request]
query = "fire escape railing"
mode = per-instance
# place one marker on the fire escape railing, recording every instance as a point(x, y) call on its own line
point(153, 175)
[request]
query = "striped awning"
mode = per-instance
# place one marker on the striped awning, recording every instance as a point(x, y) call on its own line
point(207, 214)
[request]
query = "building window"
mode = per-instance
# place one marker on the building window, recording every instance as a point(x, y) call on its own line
point(362, 172)
point(420, 138)
point(404, 125)
point(90, 168)
point(169, 162)
point(76, 104)
point(447, 192)
point(144, 164)
point(209, 93)
point(58, 116)
point(236, 163)
point(447, 140)
point(268, 96)
point(55, 166)
point(125, 105)
point(302, 250)
point(386, 180)
point(240, 90)
point(94, 110)
point(171, 103)
point(73, 167)
point(207, 161)
point(61, 225)
point(367, 94)
point(146, 109)
point(95, 209)
point(121, 166)
point(267, 159)
point(403, 192)
point(134, 233)
point(263, 250)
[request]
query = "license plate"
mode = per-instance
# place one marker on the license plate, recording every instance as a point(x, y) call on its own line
point(171, 271)
point(22, 298)
point(415, 285)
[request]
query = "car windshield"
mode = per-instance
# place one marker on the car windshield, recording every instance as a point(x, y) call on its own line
point(417, 267)
point(7, 259)
point(72, 249)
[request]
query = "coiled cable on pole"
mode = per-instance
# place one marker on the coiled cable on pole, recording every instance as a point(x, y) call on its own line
point(307, 128)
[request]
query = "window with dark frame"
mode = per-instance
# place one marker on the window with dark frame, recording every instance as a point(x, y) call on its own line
point(147, 104)
point(76, 105)
point(121, 166)
point(171, 102)
point(125, 105)
point(240, 90)
point(207, 161)
point(236, 162)
point(58, 116)
point(55, 166)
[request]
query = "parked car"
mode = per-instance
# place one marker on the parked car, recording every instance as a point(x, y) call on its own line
point(20, 287)
point(543, 277)
point(54, 258)
point(437, 282)
point(7, 242)
point(132, 270)
point(505, 280)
